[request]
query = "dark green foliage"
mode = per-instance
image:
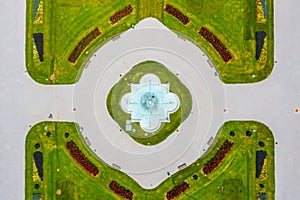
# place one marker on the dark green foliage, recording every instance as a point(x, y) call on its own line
point(37, 146)
point(261, 144)
point(248, 133)
point(48, 134)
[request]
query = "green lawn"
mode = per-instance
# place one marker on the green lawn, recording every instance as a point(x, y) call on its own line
point(234, 177)
point(66, 22)
point(133, 76)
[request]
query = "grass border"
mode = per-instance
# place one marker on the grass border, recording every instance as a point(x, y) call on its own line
point(235, 165)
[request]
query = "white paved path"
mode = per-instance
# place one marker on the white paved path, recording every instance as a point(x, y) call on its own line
point(273, 101)
point(149, 164)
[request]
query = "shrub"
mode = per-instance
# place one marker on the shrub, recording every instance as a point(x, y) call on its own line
point(261, 144)
point(195, 177)
point(248, 133)
point(37, 146)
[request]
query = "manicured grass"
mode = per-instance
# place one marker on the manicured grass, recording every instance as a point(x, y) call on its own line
point(234, 177)
point(133, 76)
point(66, 22)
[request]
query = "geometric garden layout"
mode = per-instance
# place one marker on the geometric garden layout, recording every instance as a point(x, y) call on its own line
point(146, 107)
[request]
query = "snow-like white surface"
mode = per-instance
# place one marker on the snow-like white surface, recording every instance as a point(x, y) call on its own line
point(24, 103)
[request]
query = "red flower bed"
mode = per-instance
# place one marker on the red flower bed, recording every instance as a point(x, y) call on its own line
point(176, 13)
point(218, 158)
point(217, 44)
point(83, 44)
point(81, 159)
point(177, 190)
point(121, 14)
point(120, 190)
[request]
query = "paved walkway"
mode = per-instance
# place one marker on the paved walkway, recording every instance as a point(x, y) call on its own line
point(149, 164)
point(273, 101)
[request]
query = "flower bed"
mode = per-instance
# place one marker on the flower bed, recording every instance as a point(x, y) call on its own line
point(217, 44)
point(121, 14)
point(264, 52)
point(37, 196)
point(260, 160)
point(38, 13)
point(35, 54)
point(83, 44)
point(38, 160)
point(264, 5)
point(81, 158)
point(264, 172)
point(176, 13)
point(262, 196)
point(261, 11)
point(35, 7)
point(260, 38)
point(120, 190)
point(177, 190)
point(35, 173)
point(38, 39)
point(218, 158)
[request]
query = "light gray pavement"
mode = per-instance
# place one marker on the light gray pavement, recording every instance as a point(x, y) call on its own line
point(23, 102)
point(147, 164)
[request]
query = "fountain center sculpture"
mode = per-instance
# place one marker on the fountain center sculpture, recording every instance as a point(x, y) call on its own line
point(150, 103)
